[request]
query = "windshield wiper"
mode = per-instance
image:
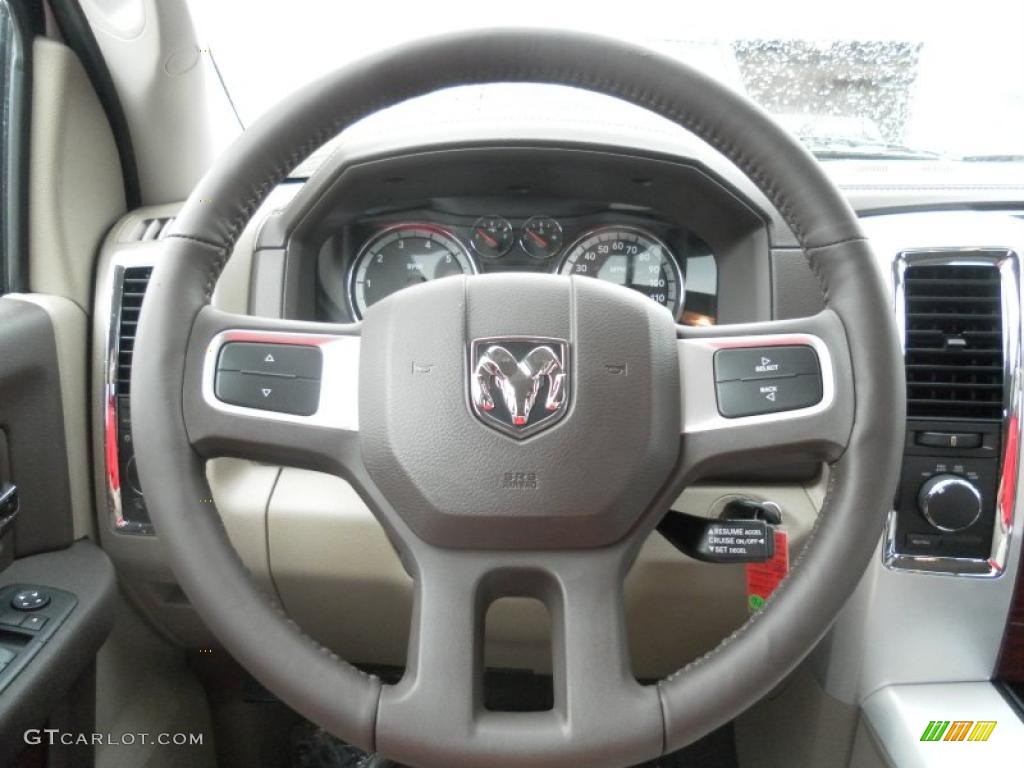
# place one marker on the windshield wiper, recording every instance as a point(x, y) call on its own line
point(859, 149)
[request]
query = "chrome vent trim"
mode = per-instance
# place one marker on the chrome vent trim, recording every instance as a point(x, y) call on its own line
point(1006, 263)
point(127, 279)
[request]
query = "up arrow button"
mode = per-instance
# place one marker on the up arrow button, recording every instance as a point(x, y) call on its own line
point(300, 361)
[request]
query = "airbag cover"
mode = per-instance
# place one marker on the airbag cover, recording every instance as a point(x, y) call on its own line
point(582, 479)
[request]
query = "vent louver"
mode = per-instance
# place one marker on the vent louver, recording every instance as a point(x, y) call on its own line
point(151, 229)
point(133, 287)
point(954, 341)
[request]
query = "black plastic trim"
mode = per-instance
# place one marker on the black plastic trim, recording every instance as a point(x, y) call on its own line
point(1013, 693)
point(729, 223)
point(27, 18)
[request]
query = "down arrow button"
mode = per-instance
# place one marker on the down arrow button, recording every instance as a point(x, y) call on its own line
point(268, 393)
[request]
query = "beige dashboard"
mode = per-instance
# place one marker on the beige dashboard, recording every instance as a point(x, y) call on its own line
point(316, 549)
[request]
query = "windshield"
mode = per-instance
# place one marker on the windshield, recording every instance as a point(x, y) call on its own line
point(924, 81)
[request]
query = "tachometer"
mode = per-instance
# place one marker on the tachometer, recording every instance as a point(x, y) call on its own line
point(404, 255)
point(630, 257)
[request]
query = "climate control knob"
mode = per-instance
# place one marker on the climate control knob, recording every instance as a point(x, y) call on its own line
point(949, 502)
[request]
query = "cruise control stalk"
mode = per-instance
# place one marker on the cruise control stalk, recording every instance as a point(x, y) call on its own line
point(746, 536)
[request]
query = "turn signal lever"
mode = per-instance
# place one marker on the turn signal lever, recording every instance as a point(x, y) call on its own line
point(743, 535)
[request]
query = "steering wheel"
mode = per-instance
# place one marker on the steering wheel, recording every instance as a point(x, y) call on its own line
point(477, 513)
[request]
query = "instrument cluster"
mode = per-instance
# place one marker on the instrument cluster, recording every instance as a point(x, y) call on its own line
point(380, 255)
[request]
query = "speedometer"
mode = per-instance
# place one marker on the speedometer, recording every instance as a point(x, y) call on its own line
point(401, 256)
point(630, 257)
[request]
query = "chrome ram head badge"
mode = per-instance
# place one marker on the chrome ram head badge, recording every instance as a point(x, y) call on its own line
point(519, 385)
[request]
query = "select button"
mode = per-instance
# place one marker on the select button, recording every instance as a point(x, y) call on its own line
point(753, 398)
point(765, 362)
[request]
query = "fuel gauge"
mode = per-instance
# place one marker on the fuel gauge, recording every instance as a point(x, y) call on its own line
point(541, 237)
point(492, 237)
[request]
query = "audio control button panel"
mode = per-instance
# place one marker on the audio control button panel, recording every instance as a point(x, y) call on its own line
point(270, 377)
point(751, 381)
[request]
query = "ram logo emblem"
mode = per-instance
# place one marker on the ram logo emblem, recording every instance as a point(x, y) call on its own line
point(519, 385)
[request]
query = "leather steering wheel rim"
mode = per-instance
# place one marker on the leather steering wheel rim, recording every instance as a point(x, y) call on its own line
point(171, 459)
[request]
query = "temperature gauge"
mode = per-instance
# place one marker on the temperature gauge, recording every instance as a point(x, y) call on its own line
point(541, 237)
point(492, 237)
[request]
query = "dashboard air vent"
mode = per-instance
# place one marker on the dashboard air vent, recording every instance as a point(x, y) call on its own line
point(151, 229)
point(133, 287)
point(954, 341)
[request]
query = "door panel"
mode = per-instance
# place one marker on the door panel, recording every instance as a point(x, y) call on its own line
point(32, 418)
point(48, 651)
point(70, 328)
point(57, 588)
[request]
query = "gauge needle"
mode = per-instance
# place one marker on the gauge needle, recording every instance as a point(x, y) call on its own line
point(537, 238)
point(490, 240)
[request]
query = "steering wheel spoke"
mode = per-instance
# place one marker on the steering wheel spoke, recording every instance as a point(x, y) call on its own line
point(597, 705)
point(274, 390)
point(781, 389)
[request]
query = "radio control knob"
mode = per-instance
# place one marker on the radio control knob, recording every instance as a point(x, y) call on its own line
point(949, 502)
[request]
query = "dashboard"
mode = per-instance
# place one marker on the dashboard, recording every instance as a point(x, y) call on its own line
point(666, 227)
point(378, 255)
point(678, 225)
